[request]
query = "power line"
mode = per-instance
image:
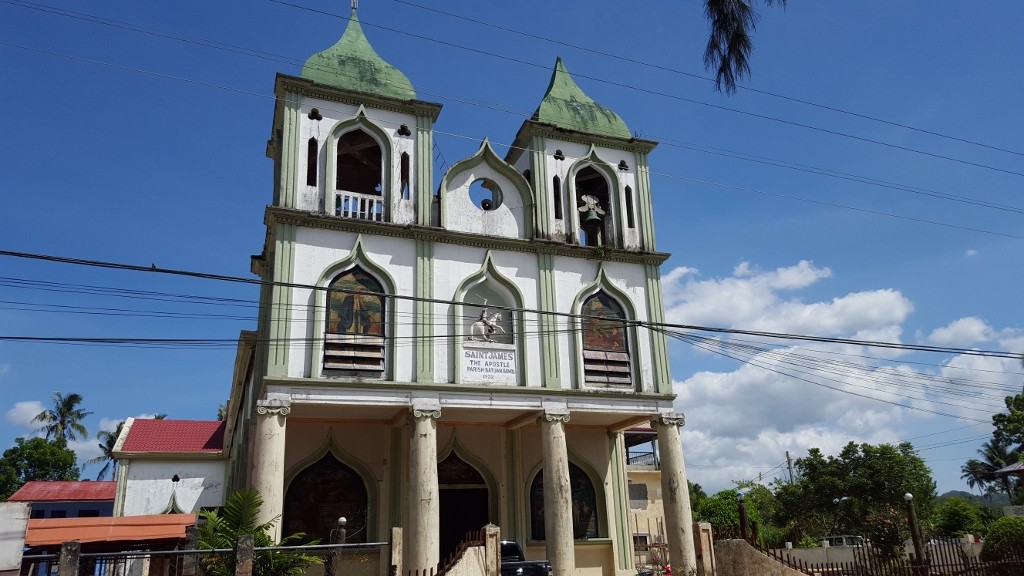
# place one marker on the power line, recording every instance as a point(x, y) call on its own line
point(700, 77)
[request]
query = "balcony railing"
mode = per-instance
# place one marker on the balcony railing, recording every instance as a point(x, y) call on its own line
point(635, 458)
point(359, 206)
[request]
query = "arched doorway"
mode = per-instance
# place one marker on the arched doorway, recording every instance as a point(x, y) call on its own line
point(319, 495)
point(464, 502)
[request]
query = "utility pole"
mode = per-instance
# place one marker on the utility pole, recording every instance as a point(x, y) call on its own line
point(789, 464)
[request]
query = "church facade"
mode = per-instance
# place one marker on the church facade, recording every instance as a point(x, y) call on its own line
point(443, 355)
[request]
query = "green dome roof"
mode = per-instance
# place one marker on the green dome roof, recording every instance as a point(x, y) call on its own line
point(353, 64)
point(566, 106)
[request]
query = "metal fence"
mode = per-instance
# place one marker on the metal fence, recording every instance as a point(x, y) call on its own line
point(372, 559)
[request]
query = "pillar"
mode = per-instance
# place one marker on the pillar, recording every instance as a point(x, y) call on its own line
point(422, 543)
point(675, 494)
point(558, 537)
point(268, 459)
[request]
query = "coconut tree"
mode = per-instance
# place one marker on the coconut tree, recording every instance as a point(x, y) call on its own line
point(995, 454)
point(107, 438)
point(729, 42)
point(64, 420)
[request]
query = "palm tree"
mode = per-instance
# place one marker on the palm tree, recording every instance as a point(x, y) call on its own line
point(995, 454)
point(107, 440)
point(729, 43)
point(64, 420)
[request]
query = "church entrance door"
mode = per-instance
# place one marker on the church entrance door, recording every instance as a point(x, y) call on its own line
point(464, 502)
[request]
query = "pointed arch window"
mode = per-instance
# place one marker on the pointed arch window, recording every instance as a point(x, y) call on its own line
point(405, 175)
point(322, 493)
point(359, 177)
point(606, 358)
point(592, 203)
point(584, 505)
point(354, 336)
point(630, 217)
point(556, 195)
point(312, 151)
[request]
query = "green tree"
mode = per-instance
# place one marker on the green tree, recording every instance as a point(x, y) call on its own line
point(995, 454)
point(1010, 425)
point(238, 518)
point(1005, 538)
point(722, 509)
point(955, 517)
point(729, 42)
point(64, 420)
point(697, 495)
point(108, 439)
point(860, 491)
point(35, 459)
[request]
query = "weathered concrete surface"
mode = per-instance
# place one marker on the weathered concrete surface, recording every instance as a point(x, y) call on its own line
point(738, 558)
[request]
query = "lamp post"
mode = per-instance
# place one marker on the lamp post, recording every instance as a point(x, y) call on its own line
point(915, 534)
point(337, 536)
point(743, 515)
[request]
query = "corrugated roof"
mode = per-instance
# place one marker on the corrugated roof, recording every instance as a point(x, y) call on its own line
point(65, 491)
point(54, 531)
point(175, 436)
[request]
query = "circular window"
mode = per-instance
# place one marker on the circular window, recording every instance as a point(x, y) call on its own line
point(485, 194)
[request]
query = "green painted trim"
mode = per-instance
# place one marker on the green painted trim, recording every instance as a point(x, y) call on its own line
point(514, 485)
point(424, 311)
point(566, 106)
point(660, 368)
point(360, 121)
point(603, 283)
point(310, 89)
point(356, 257)
point(281, 300)
point(532, 128)
point(623, 535)
point(487, 271)
point(395, 470)
point(441, 236)
point(424, 171)
point(289, 150)
point(548, 301)
point(493, 495)
point(353, 64)
point(485, 155)
point(541, 187)
point(644, 201)
point(329, 446)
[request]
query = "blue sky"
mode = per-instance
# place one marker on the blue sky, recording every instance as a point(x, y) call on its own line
point(865, 183)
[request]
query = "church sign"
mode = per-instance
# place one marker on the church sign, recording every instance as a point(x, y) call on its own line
point(486, 363)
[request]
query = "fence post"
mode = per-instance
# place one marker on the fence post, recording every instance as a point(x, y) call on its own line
point(69, 553)
point(743, 515)
point(189, 562)
point(243, 555)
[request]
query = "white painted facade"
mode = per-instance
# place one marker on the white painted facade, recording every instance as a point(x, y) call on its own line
point(148, 486)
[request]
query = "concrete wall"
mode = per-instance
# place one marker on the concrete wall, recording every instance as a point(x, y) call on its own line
point(13, 523)
point(738, 558)
point(149, 486)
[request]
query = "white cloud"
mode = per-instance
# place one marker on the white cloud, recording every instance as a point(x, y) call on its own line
point(971, 253)
point(22, 413)
point(962, 333)
point(5, 369)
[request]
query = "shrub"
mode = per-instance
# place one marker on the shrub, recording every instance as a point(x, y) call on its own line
point(1005, 539)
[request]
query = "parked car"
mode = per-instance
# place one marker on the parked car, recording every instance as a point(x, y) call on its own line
point(514, 562)
point(844, 540)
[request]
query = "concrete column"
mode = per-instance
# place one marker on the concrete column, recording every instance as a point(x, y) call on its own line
point(422, 544)
point(268, 458)
point(675, 494)
point(558, 537)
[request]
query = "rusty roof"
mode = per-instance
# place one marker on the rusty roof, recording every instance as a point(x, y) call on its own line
point(54, 531)
point(174, 436)
point(65, 491)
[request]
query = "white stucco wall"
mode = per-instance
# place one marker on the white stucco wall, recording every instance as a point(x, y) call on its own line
point(507, 219)
point(149, 485)
point(13, 523)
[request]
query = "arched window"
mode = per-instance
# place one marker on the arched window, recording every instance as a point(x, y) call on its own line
point(630, 218)
point(584, 505)
point(322, 493)
point(359, 177)
point(594, 208)
point(556, 195)
point(354, 335)
point(605, 341)
point(312, 151)
point(405, 175)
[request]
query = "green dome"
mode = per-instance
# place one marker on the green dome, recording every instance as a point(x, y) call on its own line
point(566, 106)
point(353, 64)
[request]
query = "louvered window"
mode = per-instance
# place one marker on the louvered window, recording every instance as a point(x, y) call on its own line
point(355, 337)
point(606, 358)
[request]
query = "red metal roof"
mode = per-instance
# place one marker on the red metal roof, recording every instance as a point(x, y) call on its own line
point(65, 491)
point(53, 531)
point(179, 436)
